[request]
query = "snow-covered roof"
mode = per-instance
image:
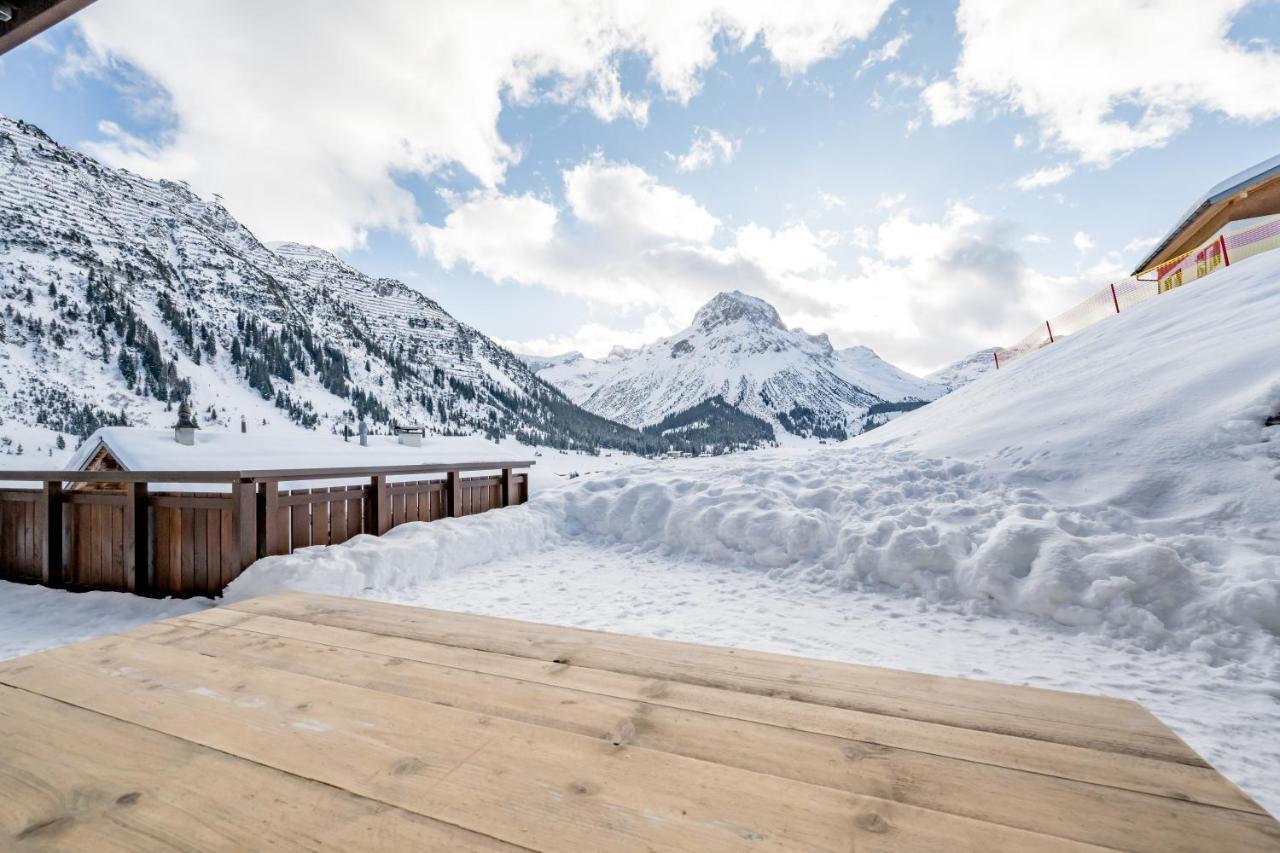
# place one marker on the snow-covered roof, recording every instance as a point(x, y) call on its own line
point(1239, 182)
point(139, 449)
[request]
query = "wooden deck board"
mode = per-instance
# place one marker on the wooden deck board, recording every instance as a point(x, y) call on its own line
point(350, 725)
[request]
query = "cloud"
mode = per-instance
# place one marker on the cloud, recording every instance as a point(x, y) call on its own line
point(707, 147)
point(1107, 77)
point(887, 52)
point(303, 114)
point(831, 201)
point(595, 339)
point(923, 292)
point(1019, 140)
point(1082, 241)
point(891, 200)
point(1037, 239)
point(1046, 177)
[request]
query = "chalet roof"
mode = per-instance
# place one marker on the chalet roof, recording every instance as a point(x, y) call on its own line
point(141, 449)
point(1217, 195)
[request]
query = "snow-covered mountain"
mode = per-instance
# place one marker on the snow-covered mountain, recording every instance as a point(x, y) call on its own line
point(121, 295)
point(737, 348)
point(965, 370)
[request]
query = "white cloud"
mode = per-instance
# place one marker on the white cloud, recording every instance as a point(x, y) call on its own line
point(629, 204)
point(887, 52)
point(1082, 241)
point(707, 147)
point(595, 339)
point(303, 112)
point(923, 292)
point(792, 250)
point(831, 201)
point(1075, 66)
point(1046, 177)
point(1019, 140)
point(1037, 239)
point(891, 200)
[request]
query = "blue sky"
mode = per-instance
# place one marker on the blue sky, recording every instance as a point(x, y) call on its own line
point(865, 169)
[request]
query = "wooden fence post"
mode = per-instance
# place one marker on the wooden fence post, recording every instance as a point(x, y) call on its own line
point(380, 505)
point(508, 486)
point(50, 509)
point(273, 537)
point(137, 539)
point(453, 491)
point(244, 527)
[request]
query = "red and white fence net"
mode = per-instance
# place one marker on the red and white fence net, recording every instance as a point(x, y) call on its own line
point(1234, 243)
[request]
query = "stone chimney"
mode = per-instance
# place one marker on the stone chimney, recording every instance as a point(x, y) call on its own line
point(184, 431)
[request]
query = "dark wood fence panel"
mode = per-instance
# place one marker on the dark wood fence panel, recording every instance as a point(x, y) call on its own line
point(117, 534)
point(194, 551)
point(21, 535)
point(94, 540)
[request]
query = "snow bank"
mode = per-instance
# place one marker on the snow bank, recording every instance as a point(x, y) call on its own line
point(1119, 481)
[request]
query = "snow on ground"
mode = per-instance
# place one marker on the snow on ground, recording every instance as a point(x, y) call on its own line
point(33, 618)
point(1101, 516)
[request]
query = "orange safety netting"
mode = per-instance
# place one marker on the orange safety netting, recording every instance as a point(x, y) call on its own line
point(1232, 244)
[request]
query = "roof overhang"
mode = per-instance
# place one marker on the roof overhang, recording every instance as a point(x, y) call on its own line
point(1253, 192)
point(26, 19)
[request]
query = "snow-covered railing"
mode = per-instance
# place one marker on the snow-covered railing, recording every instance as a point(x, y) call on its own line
point(113, 530)
point(1233, 243)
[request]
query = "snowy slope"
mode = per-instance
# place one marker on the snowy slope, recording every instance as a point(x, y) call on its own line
point(121, 295)
point(738, 348)
point(1055, 490)
point(965, 370)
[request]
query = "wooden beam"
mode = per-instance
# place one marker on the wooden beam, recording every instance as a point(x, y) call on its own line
point(272, 537)
point(244, 526)
point(51, 558)
point(508, 486)
point(453, 494)
point(137, 539)
point(32, 17)
point(379, 505)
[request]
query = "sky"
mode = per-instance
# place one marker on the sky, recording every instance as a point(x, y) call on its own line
point(924, 178)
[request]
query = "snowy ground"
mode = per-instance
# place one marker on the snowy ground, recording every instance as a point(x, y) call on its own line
point(1103, 516)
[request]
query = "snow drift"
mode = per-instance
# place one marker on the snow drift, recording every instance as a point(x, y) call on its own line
point(1121, 480)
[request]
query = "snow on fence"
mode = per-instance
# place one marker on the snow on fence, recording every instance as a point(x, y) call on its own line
point(1233, 243)
point(109, 530)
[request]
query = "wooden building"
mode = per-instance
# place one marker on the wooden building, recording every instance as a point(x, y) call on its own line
point(1249, 194)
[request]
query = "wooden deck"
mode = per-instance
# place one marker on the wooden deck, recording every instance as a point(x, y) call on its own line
point(307, 722)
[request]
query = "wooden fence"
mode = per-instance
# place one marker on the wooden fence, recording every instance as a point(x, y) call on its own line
point(122, 535)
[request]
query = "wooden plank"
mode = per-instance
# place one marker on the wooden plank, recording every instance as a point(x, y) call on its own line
point(508, 487)
point(337, 515)
point(213, 549)
point(229, 568)
point(160, 568)
point(76, 780)
point(199, 552)
point(1162, 778)
point(379, 506)
point(244, 526)
point(535, 786)
point(1030, 801)
point(118, 579)
point(355, 513)
point(1090, 721)
point(186, 541)
point(320, 518)
point(188, 501)
point(453, 490)
point(136, 545)
point(299, 526)
point(175, 551)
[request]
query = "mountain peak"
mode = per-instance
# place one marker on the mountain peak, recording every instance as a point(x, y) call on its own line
point(734, 305)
